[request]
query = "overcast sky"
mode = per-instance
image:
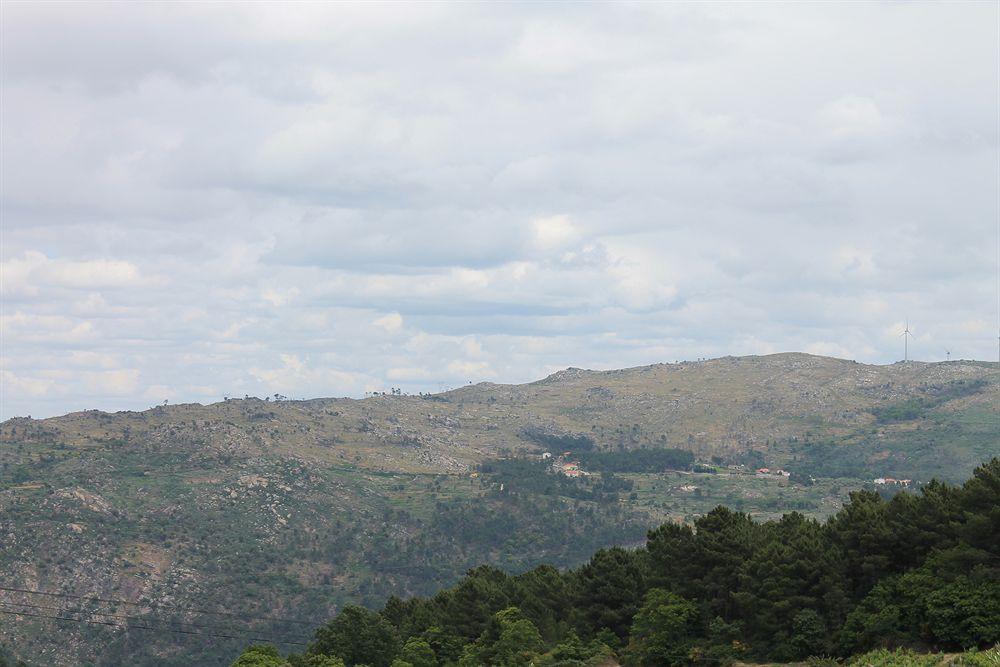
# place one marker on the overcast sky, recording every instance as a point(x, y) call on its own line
point(202, 200)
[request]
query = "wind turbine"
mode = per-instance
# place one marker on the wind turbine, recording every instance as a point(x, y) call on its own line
point(906, 341)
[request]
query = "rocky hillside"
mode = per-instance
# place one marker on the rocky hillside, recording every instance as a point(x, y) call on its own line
point(185, 519)
point(717, 407)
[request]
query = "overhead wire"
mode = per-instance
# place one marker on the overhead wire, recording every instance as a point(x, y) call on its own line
point(128, 617)
point(151, 605)
point(153, 628)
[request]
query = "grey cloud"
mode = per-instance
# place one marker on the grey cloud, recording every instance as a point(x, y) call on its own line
point(203, 200)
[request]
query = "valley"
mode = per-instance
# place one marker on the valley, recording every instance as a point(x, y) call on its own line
point(259, 517)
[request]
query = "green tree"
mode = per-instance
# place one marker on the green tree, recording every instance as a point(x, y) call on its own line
point(543, 596)
point(980, 504)
point(793, 569)
point(862, 532)
point(469, 606)
point(609, 591)
point(314, 661)
point(418, 653)
point(808, 634)
point(447, 645)
point(878, 619)
point(358, 636)
point(954, 597)
point(411, 617)
point(723, 642)
point(510, 640)
point(669, 549)
point(663, 631)
point(260, 655)
point(952, 600)
point(724, 540)
point(573, 652)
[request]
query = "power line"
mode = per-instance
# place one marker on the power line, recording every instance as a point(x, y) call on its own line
point(278, 619)
point(146, 627)
point(145, 619)
point(246, 637)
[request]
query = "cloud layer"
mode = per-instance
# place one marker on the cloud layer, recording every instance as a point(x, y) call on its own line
point(203, 200)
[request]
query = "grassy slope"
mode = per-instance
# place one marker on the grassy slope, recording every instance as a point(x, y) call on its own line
point(292, 508)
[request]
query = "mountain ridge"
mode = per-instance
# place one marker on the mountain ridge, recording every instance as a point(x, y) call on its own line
point(568, 373)
point(716, 407)
point(304, 506)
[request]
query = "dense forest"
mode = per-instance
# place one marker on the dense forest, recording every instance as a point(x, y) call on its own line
point(917, 570)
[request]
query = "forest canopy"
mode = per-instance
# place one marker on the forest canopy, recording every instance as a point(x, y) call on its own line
point(918, 571)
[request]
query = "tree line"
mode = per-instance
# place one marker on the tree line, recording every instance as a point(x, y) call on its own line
point(917, 570)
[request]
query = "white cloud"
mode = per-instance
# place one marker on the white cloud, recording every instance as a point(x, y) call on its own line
point(119, 382)
point(229, 199)
point(390, 322)
point(296, 375)
point(475, 371)
point(554, 232)
point(278, 297)
point(853, 115)
point(830, 349)
point(158, 393)
point(91, 359)
point(25, 386)
point(410, 374)
point(33, 271)
point(50, 329)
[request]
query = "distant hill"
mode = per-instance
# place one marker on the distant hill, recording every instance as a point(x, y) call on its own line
point(294, 508)
point(719, 407)
point(916, 571)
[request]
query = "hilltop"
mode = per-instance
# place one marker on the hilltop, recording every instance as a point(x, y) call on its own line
point(294, 508)
point(719, 407)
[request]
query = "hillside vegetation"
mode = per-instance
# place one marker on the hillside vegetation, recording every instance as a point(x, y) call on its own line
point(916, 571)
point(293, 509)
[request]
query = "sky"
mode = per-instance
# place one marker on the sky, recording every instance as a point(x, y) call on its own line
point(218, 199)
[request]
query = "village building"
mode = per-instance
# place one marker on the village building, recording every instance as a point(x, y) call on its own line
point(884, 481)
point(571, 469)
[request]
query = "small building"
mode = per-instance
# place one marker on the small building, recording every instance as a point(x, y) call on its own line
point(890, 480)
point(571, 469)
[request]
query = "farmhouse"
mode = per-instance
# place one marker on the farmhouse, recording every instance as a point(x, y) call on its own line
point(570, 469)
